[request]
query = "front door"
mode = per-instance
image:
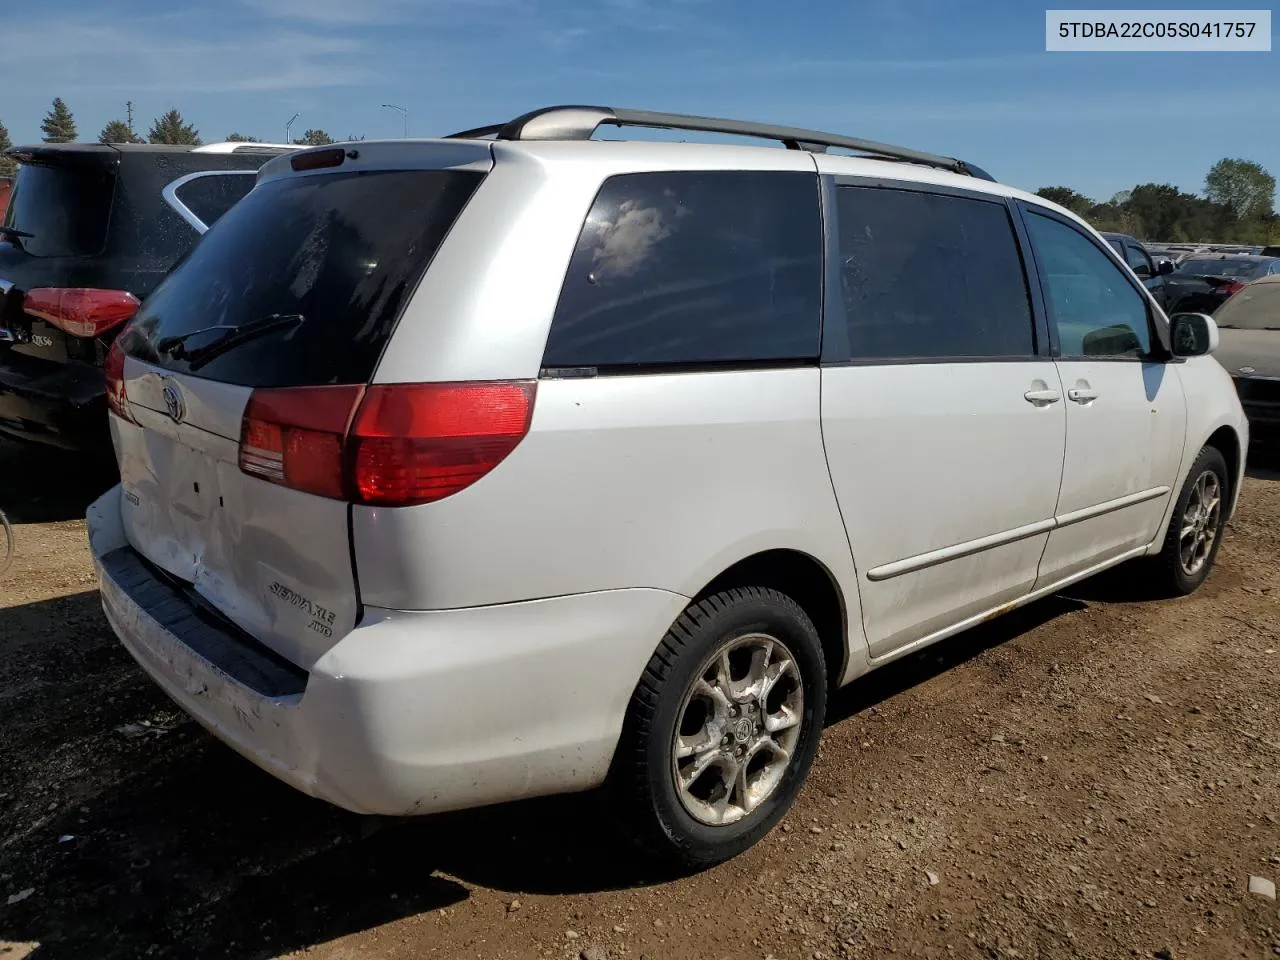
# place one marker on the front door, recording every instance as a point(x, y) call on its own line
point(944, 427)
point(1125, 412)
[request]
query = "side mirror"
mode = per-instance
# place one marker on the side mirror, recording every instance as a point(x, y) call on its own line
point(1165, 268)
point(1193, 334)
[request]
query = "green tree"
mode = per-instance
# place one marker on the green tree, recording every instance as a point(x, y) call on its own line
point(1077, 203)
point(58, 124)
point(314, 138)
point(1242, 185)
point(117, 131)
point(171, 128)
point(242, 138)
point(7, 167)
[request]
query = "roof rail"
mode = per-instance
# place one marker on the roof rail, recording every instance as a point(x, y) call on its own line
point(245, 146)
point(581, 123)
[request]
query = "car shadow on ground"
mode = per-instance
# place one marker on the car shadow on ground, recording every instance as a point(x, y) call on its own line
point(44, 485)
point(137, 832)
point(1264, 463)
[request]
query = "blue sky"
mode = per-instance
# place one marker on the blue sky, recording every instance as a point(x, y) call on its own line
point(969, 80)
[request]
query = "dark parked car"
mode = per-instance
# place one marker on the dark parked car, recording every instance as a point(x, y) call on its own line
point(1152, 274)
point(90, 230)
point(1269, 251)
point(1249, 325)
point(1207, 282)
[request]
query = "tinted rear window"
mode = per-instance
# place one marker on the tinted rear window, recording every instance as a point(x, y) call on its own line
point(694, 268)
point(925, 275)
point(65, 208)
point(211, 195)
point(342, 252)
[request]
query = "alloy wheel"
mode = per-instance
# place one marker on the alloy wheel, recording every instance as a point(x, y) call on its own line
point(738, 728)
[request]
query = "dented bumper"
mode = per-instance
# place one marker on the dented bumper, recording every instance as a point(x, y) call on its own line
point(411, 712)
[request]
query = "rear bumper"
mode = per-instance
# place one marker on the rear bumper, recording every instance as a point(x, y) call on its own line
point(63, 405)
point(410, 712)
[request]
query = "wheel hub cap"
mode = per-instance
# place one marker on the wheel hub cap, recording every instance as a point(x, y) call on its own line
point(1200, 523)
point(738, 727)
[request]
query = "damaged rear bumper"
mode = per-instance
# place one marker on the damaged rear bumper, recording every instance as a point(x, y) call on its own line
point(410, 712)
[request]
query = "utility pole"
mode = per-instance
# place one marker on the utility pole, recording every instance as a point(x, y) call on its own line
point(128, 109)
point(403, 113)
point(289, 126)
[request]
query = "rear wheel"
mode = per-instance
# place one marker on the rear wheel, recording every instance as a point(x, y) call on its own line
point(1195, 529)
point(722, 728)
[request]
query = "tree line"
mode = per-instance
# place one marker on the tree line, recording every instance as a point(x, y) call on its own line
point(1237, 207)
point(59, 126)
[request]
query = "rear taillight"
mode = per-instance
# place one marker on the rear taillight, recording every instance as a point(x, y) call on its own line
point(117, 399)
point(415, 443)
point(295, 437)
point(1231, 289)
point(388, 445)
point(81, 311)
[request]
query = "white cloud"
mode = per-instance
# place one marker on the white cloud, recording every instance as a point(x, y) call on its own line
point(383, 12)
point(166, 54)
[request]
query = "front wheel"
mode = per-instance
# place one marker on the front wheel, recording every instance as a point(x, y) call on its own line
point(1195, 529)
point(722, 728)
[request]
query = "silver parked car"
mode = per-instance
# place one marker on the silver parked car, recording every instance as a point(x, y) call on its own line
point(515, 463)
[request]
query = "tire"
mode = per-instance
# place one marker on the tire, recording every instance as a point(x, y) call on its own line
point(1171, 573)
point(678, 827)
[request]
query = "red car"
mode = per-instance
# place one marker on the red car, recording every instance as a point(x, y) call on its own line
point(6, 184)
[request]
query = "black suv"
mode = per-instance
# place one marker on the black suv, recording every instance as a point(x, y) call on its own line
point(90, 230)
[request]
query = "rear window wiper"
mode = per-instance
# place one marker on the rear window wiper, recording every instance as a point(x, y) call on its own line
point(175, 346)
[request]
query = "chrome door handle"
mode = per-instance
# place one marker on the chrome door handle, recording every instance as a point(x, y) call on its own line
point(1039, 397)
point(1082, 396)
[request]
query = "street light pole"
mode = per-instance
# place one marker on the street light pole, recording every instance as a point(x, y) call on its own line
point(289, 126)
point(404, 113)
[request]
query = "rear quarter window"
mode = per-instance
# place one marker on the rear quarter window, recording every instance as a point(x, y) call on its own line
point(693, 268)
point(207, 196)
point(342, 253)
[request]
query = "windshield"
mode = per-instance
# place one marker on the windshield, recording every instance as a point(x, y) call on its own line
point(1256, 307)
point(62, 210)
point(302, 281)
point(1224, 268)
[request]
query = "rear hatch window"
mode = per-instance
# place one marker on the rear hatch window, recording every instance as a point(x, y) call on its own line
point(62, 209)
point(302, 281)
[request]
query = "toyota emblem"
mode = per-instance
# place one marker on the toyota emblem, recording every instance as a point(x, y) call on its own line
point(173, 401)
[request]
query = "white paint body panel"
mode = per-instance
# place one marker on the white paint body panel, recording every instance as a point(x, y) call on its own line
point(660, 482)
point(932, 456)
point(275, 561)
point(1123, 453)
point(1212, 404)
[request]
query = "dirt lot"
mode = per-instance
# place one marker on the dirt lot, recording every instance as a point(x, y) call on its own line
point(1094, 776)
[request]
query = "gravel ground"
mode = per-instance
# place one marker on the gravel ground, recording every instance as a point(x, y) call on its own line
point(1092, 776)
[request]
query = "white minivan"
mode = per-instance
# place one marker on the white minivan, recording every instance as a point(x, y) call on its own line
point(521, 462)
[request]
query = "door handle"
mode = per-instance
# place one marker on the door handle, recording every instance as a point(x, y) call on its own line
point(1080, 395)
point(1040, 397)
